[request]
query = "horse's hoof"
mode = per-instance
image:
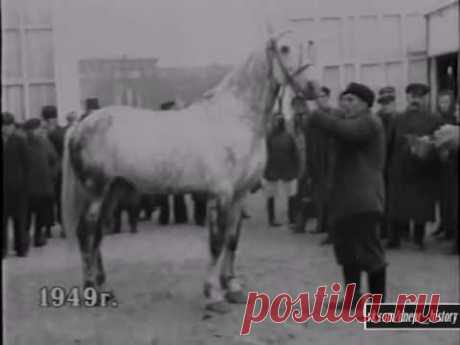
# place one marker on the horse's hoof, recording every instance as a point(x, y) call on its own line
point(236, 297)
point(219, 307)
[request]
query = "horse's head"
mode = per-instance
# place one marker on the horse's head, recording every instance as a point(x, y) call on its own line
point(289, 61)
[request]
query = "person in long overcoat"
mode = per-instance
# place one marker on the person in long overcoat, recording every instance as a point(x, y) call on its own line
point(449, 173)
point(321, 157)
point(387, 113)
point(447, 143)
point(15, 193)
point(43, 169)
point(357, 196)
point(413, 180)
point(302, 209)
point(56, 135)
point(282, 168)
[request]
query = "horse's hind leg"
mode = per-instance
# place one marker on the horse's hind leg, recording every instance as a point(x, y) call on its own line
point(89, 237)
point(216, 233)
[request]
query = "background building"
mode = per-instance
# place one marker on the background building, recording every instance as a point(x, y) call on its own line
point(443, 46)
point(45, 60)
point(28, 76)
point(375, 42)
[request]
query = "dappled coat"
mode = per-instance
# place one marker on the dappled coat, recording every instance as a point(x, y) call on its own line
point(413, 183)
point(43, 166)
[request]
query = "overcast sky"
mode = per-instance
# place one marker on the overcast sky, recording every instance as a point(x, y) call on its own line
point(189, 32)
point(178, 32)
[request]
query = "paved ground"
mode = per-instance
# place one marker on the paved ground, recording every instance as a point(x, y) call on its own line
point(158, 273)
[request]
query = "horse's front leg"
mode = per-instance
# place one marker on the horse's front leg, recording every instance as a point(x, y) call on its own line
point(229, 280)
point(217, 219)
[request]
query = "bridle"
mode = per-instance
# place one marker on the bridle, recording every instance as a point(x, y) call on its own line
point(274, 55)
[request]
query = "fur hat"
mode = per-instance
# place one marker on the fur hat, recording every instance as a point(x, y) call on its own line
point(32, 124)
point(167, 105)
point(7, 119)
point(92, 104)
point(362, 92)
point(49, 112)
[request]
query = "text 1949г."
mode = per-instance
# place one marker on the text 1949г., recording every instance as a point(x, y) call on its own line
point(88, 297)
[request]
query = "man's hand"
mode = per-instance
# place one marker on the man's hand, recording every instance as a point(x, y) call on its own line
point(420, 146)
point(447, 137)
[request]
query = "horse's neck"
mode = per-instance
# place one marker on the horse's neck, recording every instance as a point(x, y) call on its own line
point(250, 85)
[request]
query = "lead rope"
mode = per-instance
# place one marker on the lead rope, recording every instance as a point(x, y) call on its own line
point(280, 98)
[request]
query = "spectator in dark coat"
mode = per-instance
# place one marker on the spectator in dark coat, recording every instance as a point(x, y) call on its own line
point(200, 207)
point(303, 198)
point(43, 169)
point(321, 157)
point(56, 136)
point(282, 168)
point(387, 113)
point(447, 142)
point(413, 181)
point(357, 195)
point(449, 173)
point(91, 105)
point(15, 193)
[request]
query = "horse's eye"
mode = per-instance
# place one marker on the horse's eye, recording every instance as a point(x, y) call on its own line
point(284, 49)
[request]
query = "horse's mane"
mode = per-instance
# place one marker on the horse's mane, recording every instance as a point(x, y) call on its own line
point(250, 75)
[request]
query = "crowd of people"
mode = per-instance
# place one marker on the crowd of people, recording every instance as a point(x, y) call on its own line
point(367, 176)
point(32, 179)
point(364, 176)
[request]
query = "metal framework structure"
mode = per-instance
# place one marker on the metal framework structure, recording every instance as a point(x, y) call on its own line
point(27, 58)
point(376, 48)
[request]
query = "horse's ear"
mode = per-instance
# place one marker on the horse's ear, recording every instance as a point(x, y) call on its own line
point(311, 52)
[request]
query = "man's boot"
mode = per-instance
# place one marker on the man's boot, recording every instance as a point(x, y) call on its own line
point(271, 212)
point(351, 275)
point(292, 209)
point(377, 282)
point(302, 217)
point(395, 236)
point(419, 234)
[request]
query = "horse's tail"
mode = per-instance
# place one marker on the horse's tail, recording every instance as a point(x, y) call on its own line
point(73, 196)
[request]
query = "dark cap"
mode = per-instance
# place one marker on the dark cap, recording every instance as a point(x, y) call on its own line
point(417, 89)
point(32, 124)
point(387, 94)
point(49, 112)
point(361, 91)
point(325, 90)
point(387, 91)
point(167, 105)
point(386, 99)
point(7, 119)
point(92, 104)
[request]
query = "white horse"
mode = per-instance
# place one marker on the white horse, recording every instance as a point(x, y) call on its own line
point(216, 146)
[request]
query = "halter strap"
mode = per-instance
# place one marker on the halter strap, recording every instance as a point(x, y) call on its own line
point(290, 78)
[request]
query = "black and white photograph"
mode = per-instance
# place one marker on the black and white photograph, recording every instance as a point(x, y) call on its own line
point(230, 172)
